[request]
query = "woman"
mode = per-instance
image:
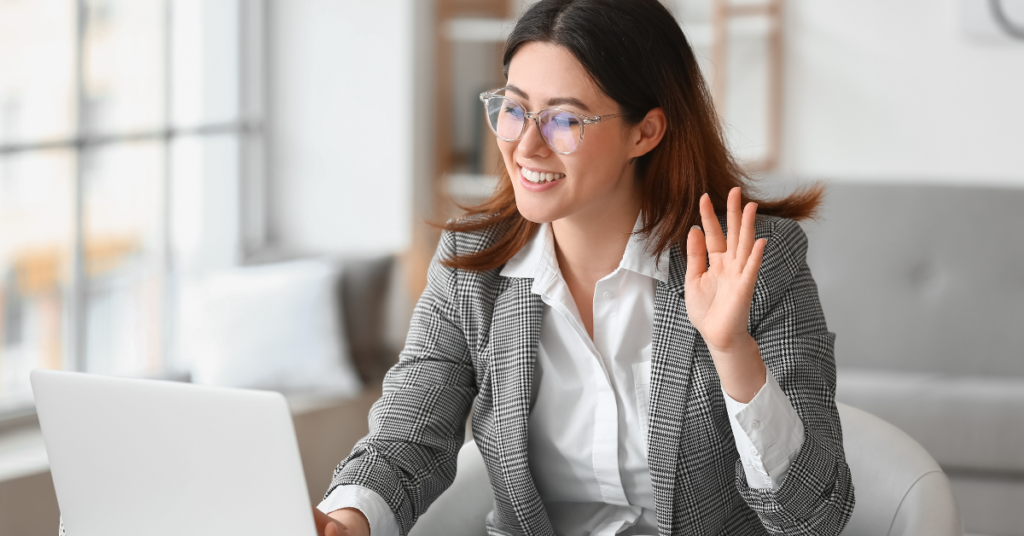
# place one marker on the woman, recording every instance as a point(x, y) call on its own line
point(620, 386)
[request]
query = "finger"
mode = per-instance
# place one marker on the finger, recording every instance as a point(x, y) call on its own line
point(754, 262)
point(712, 229)
point(732, 219)
point(746, 238)
point(696, 254)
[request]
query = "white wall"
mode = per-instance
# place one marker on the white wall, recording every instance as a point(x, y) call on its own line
point(342, 96)
point(881, 90)
point(896, 90)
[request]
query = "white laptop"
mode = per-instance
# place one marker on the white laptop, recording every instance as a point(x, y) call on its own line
point(132, 457)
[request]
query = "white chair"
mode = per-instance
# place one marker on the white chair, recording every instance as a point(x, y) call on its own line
point(900, 489)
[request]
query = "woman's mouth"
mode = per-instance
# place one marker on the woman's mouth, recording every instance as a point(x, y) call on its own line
point(540, 177)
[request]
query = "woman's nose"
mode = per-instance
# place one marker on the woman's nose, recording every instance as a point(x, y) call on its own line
point(532, 143)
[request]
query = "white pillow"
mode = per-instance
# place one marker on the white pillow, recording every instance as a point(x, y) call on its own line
point(275, 326)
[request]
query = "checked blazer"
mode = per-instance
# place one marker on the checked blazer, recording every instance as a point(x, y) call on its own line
point(474, 337)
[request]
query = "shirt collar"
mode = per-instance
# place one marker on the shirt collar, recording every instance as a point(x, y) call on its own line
point(537, 259)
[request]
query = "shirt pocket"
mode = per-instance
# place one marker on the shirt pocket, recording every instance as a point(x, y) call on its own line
point(642, 384)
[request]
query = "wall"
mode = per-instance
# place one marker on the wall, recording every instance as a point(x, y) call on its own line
point(344, 86)
point(884, 90)
point(880, 90)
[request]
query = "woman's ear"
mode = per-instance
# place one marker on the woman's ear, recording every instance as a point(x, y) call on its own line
point(648, 133)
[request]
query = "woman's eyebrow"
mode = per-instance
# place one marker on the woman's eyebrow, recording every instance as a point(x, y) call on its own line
point(551, 102)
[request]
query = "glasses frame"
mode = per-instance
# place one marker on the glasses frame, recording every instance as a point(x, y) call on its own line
point(584, 120)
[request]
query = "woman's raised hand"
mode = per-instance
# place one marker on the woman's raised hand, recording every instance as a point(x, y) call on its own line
point(720, 275)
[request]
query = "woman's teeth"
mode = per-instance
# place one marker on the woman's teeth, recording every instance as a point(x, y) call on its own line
point(537, 177)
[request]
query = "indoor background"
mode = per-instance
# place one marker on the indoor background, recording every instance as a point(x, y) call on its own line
point(236, 192)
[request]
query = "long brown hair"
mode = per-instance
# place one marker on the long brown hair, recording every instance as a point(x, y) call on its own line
point(636, 53)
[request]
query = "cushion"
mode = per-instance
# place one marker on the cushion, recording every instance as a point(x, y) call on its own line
point(922, 278)
point(274, 326)
point(364, 293)
point(965, 422)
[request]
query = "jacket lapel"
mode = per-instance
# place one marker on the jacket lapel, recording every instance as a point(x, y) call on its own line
point(671, 364)
point(515, 334)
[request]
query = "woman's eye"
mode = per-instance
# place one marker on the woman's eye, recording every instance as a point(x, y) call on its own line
point(565, 120)
point(513, 111)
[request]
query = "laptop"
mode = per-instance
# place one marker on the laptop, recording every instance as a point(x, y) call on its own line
point(131, 456)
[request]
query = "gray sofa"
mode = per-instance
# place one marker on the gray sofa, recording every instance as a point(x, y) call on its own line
point(924, 288)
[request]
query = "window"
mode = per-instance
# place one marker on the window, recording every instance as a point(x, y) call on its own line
point(130, 161)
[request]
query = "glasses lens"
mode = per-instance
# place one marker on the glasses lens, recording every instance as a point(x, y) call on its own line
point(505, 117)
point(561, 130)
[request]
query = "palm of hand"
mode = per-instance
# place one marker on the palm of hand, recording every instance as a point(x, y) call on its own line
point(721, 273)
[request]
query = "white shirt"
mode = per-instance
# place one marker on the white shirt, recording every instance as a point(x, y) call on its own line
point(588, 425)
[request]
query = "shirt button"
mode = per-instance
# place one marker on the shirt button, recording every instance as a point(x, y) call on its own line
point(607, 295)
point(755, 425)
point(753, 451)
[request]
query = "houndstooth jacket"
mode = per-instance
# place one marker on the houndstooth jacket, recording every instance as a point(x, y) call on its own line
point(474, 335)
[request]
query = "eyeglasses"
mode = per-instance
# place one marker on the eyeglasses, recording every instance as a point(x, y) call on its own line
point(561, 130)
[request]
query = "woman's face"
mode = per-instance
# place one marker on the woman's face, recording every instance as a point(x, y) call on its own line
point(597, 177)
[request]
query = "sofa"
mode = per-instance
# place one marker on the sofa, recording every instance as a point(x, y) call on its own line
point(924, 288)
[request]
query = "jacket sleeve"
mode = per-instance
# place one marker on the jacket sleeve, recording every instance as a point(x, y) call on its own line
point(418, 425)
point(786, 319)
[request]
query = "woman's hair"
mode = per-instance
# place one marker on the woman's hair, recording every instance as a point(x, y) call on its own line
point(636, 53)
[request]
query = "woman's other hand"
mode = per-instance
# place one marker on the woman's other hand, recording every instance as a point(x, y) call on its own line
point(344, 522)
point(720, 275)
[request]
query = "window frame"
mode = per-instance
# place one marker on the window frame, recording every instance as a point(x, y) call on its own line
point(249, 128)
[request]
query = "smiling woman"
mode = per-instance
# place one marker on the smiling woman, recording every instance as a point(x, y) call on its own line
point(650, 69)
point(619, 384)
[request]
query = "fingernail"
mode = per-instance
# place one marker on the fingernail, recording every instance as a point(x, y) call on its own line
point(695, 227)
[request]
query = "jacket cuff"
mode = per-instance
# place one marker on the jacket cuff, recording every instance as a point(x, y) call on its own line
point(370, 503)
point(818, 492)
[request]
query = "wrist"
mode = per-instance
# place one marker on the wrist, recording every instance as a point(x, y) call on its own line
point(740, 368)
point(736, 345)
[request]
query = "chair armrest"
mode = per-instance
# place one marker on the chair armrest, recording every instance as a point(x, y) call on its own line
point(928, 509)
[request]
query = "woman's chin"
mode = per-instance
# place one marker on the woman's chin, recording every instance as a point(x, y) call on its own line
point(538, 214)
